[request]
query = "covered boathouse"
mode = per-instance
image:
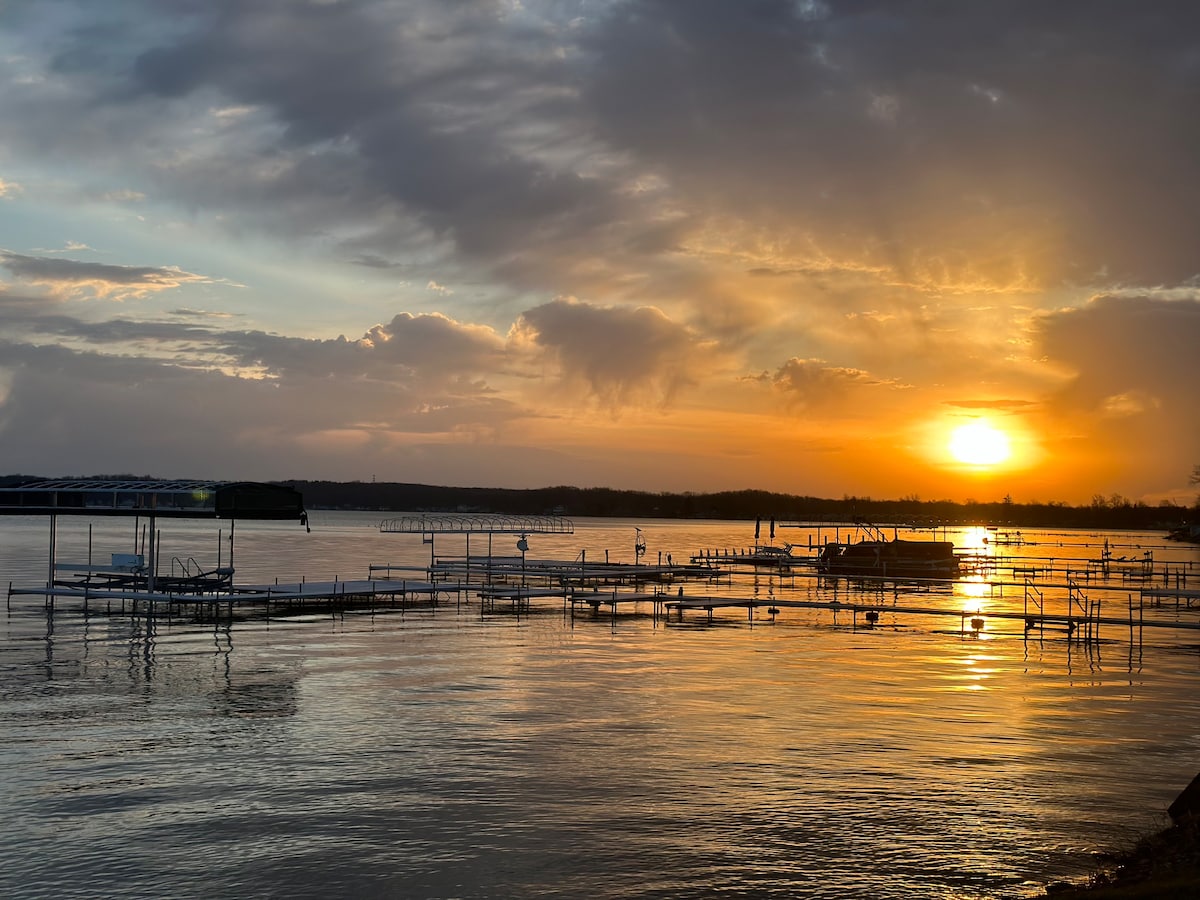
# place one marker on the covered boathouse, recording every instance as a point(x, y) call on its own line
point(151, 499)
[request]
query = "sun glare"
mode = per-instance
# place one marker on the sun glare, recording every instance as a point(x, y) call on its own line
point(979, 444)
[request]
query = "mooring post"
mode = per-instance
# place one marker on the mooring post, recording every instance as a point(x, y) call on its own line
point(50, 562)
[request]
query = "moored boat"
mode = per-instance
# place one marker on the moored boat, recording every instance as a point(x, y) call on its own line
point(1185, 532)
point(768, 555)
point(877, 556)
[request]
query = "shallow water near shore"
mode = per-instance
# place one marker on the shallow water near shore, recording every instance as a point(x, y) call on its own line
point(444, 753)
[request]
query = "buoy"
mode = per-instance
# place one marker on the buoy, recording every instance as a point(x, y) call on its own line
point(977, 623)
point(872, 617)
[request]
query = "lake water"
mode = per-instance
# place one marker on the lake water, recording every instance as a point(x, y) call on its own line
point(443, 753)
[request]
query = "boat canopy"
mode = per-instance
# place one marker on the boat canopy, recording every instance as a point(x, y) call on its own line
point(477, 524)
point(180, 499)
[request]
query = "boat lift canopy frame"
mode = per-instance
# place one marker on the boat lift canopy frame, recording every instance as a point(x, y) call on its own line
point(189, 499)
point(478, 524)
point(231, 500)
point(429, 526)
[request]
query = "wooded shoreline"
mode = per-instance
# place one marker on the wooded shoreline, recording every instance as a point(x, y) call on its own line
point(1103, 513)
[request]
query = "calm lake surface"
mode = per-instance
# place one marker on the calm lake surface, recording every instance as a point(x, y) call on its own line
point(443, 753)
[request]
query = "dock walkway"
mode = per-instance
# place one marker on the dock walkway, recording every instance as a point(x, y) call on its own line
point(337, 594)
point(871, 613)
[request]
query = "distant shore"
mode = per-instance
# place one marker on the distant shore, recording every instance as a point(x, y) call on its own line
point(1113, 512)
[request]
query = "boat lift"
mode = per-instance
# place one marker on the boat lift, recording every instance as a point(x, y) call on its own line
point(153, 500)
point(428, 526)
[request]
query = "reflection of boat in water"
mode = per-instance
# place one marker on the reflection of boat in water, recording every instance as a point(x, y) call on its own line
point(880, 557)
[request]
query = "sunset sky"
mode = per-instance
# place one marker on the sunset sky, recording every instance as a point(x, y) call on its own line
point(684, 245)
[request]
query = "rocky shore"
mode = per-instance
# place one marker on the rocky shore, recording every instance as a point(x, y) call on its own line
point(1162, 865)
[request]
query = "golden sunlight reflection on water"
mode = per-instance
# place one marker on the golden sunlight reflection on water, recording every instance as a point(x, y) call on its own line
point(973, 540)
point(974, 587)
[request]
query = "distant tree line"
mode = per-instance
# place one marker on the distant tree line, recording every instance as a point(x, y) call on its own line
point(1112, 511)
point(1103, 512)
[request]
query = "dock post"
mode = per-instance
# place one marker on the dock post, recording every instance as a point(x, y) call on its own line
point(50, 565)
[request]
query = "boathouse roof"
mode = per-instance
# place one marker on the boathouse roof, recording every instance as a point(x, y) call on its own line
point(180, 499)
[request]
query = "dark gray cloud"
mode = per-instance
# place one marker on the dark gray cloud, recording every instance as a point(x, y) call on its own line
point(174, 420)
point(965, 142)
point(435, 343)
point(416, 106)
point(622, 355)
point(425, 348)
point(101, 278)
point(409, 349)
point(1049, 139)
point(115, 331)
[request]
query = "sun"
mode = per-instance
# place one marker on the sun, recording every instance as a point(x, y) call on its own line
point(979, 444)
